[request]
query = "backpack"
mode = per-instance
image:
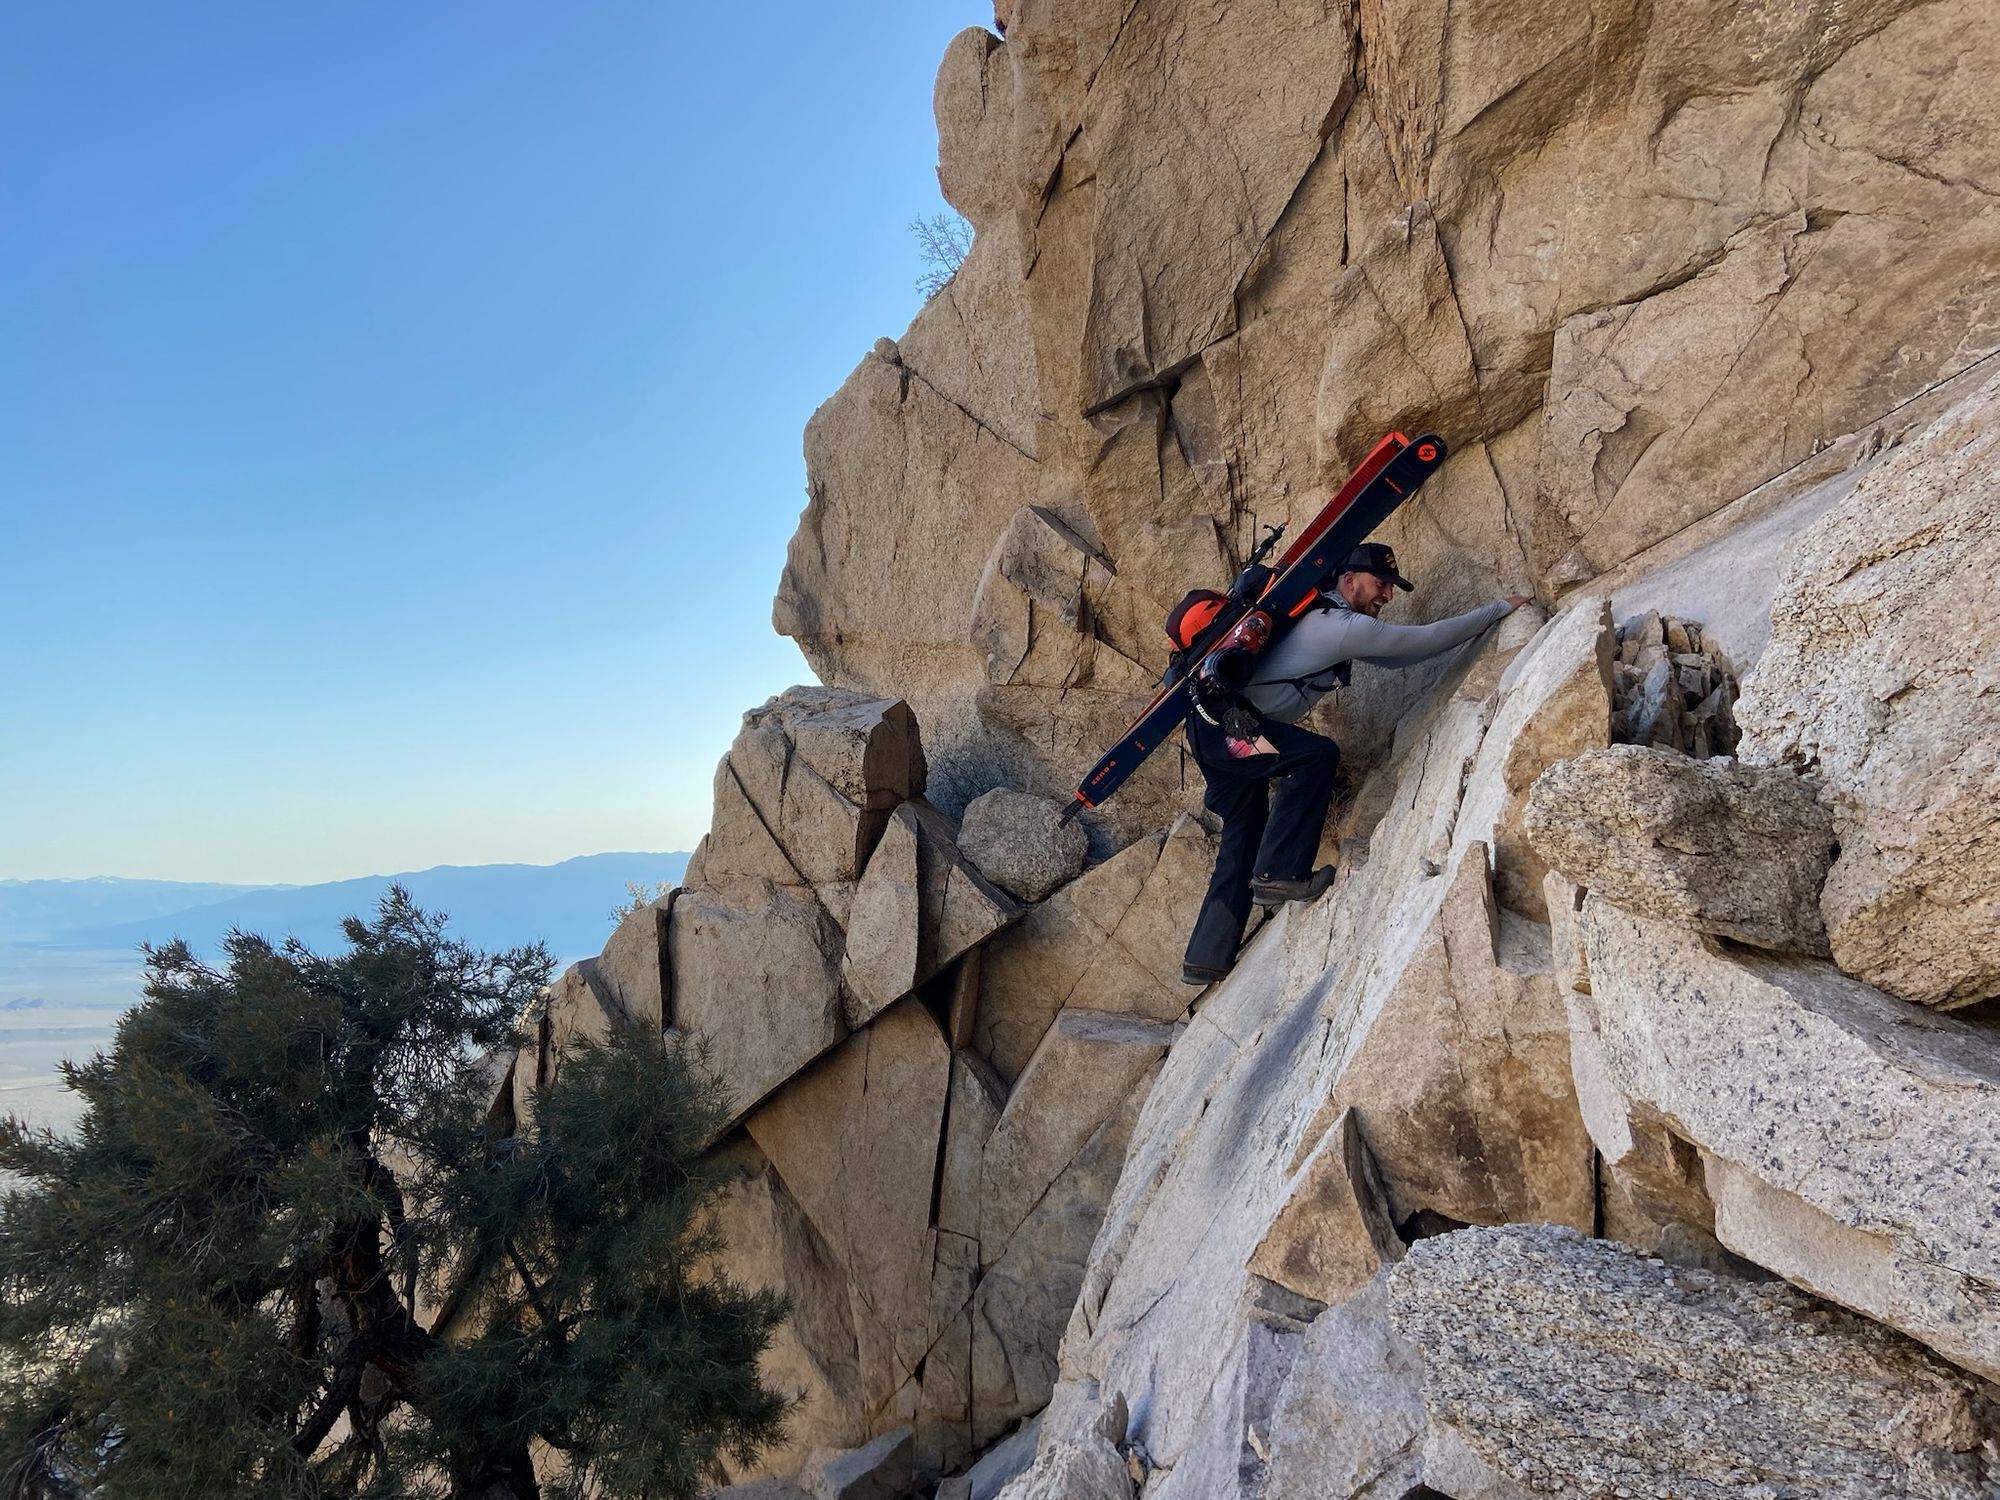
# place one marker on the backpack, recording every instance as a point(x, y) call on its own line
point(1194, 614)
point(1185, 623)
point(1198, 610)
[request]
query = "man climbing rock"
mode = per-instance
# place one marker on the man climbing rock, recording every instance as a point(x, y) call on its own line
point(1267, 843)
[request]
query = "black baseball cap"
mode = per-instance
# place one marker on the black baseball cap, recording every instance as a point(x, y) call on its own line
point(1376, 558)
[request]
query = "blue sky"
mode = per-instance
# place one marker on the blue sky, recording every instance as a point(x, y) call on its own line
point(400, 411)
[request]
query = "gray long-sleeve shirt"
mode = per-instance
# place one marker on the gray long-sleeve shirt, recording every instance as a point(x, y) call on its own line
point(1304, 666)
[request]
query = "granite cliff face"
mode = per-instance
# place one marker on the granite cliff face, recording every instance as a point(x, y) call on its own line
point(1633, 261)
point(1626, 1118)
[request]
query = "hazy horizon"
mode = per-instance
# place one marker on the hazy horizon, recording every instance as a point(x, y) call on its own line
point(272, 885)
point(71, 963)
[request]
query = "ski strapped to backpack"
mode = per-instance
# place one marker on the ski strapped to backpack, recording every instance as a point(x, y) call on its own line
point(1263, 602)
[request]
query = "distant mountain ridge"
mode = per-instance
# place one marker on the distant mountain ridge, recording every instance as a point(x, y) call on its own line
point(33, 911)
point(568, 905)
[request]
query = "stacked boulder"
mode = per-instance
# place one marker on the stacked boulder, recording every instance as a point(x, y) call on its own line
point(1858, 1152)
point(932, 1079)
point(1674, 688)
point(1724, 848)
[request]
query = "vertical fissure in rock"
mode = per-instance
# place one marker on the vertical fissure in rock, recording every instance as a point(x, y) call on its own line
point(938, 1163)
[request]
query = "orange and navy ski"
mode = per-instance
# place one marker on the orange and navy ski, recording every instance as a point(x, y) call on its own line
point(1385, 479)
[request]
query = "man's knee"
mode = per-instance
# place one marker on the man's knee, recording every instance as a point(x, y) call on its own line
point(1318, 752)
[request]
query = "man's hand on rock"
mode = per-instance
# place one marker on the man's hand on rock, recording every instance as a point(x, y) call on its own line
point(1515, 601)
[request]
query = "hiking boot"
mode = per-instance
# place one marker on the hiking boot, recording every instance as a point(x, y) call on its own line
point(1268, 892)
point(1202, 974)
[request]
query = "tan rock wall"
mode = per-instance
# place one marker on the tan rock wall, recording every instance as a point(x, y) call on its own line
point(1632, 261)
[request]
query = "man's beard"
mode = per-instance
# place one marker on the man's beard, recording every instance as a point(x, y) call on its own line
point(1373, 609)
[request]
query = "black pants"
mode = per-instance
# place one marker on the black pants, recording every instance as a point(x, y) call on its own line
point(1257, 838)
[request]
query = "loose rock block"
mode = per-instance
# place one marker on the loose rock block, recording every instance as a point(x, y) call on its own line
point(1733, 850)
point(1020, 842)
point(1333, 1234)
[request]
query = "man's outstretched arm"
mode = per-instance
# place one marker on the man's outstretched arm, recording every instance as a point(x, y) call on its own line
point(1293, 674)
point(1382, 644)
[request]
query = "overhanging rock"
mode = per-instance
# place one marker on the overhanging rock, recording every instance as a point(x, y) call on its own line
point(1851, 1142)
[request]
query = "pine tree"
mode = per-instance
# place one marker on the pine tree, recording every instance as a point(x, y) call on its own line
point(291, 1250)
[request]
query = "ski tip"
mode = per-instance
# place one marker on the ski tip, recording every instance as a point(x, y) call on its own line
point(1069, 815)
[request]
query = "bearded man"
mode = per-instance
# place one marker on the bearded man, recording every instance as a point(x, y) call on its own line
point(1268, 843)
